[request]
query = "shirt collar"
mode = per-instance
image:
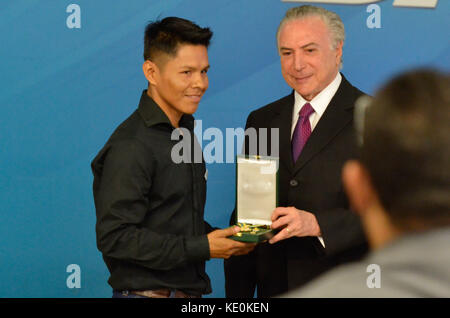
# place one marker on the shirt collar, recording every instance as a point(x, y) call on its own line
point(154, 115)
point(321, 101)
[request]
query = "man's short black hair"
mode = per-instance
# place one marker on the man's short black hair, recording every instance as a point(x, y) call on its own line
point(164, 36)
point(406, 148)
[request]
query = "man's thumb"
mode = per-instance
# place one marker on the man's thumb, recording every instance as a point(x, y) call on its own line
point(230, 231)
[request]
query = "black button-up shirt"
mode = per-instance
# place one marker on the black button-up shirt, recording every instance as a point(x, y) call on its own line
point(150, 227)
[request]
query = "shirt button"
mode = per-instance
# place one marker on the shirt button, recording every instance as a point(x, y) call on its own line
point(293, 183)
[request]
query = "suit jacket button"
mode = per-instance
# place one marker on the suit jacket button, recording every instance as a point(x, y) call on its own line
point(293, 183)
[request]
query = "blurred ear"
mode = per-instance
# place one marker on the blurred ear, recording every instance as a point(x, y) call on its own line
point(150, 70)
point(358, 186)
point(339, 52)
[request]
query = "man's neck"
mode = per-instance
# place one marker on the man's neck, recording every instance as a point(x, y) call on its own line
point(330, 89)
point(378, 227)
point(173, 116)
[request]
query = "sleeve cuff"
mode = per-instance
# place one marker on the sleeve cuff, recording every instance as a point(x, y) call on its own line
point(197, 248)
point(320, 238)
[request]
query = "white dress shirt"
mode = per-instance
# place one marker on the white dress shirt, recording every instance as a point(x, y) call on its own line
point(319, 104)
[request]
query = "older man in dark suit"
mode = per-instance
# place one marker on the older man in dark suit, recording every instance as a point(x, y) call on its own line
point(316, 228)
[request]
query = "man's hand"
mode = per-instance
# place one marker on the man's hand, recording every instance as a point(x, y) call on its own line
point(293, 222)
point(222, 247)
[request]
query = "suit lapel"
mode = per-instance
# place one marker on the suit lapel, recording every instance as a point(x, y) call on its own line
point(337, 115)
point(283, 121)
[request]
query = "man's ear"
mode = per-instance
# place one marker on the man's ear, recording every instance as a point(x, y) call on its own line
point(339, 52)
point(358, 186)
point(150, 70)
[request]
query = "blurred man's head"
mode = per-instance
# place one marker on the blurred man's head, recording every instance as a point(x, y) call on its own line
point(404, 171)
point(310, 41)
point(176, 65)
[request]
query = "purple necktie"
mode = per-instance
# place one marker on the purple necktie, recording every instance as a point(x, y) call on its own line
point(302, 131)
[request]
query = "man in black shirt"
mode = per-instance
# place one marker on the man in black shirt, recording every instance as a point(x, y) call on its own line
point(150, 226)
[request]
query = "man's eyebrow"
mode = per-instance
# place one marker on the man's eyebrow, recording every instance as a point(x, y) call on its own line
point(189, 67)
point(302, 47)
point(309, 44)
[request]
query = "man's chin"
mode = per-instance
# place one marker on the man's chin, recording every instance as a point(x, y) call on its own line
point(303, 90)
point(306, 94)
point(191, 109)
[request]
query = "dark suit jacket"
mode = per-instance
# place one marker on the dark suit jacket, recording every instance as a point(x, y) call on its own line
point(312, 184)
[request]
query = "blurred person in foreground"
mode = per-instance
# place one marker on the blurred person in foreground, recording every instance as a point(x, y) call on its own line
point(401, 190)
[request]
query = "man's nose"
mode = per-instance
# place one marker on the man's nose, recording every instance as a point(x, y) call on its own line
point(201, 81)
point(299, 62)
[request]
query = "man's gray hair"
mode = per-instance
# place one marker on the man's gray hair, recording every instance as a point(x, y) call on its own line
point(331, 20)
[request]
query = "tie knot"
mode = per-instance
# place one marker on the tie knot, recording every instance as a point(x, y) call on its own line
point(306, 110)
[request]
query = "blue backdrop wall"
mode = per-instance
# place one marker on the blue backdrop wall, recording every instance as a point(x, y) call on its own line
point(65, 86)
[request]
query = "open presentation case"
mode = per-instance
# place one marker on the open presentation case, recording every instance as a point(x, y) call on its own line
point(256, 197)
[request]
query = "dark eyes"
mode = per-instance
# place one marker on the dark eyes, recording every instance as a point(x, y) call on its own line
point(287, 53)
point(190, 72)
